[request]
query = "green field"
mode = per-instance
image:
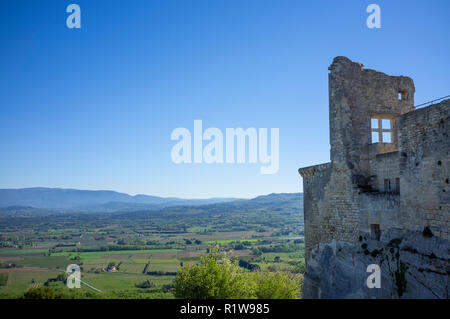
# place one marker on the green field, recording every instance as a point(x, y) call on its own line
point(99, 254)
point(118, 253)
point(18, 282)
point(228, 241)
point(22, 251)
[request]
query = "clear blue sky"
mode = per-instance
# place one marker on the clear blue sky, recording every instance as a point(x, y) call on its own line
point(94, 108)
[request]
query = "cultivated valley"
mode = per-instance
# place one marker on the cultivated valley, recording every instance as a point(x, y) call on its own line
point(127, 252)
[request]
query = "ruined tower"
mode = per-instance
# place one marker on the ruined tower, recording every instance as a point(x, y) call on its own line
point(385, 191)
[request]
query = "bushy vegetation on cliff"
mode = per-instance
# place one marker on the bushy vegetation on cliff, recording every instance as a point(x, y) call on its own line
point(219, 277)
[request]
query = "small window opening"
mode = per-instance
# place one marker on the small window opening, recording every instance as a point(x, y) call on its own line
point(374, 123)
point(381, 130)
point(387, 184)
point(375, 232)
point(401, 95)
point(397, 185)
point(375, 137)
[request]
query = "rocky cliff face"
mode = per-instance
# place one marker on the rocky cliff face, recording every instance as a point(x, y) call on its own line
point(412, 264)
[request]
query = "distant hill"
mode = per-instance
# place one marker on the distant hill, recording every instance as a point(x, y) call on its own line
point(283, 203)
point(87, 200)
point(34, 201)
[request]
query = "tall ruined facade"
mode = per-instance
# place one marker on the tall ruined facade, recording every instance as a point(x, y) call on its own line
point(384, 198)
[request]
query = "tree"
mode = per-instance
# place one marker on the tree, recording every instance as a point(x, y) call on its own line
point(215, 277)
point(41, 293)
point(145, 284)
point(277, 285)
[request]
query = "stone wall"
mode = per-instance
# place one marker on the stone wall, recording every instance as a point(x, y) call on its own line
point(379, 191)
point(314, 180)
point(330, 209)
point(332, 202)
point(355, 95)
point(424, 146)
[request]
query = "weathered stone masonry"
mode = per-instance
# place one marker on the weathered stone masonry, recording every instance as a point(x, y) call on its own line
point(390, 165)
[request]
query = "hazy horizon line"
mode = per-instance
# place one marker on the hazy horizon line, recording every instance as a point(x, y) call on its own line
point(142, 194)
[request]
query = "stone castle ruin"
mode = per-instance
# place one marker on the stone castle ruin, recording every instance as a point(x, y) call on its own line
point(384, 198)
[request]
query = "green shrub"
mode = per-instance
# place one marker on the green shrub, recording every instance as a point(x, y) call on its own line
point(277, 285)
point(41, 293)
point(215, 277)
point(3, 279)
point(145, 284)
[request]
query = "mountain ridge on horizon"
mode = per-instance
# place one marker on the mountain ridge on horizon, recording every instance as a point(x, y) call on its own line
point(98, 200)
point(111, 191)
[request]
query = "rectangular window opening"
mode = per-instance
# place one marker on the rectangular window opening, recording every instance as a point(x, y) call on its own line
point(375, 137)
point(374, 123)
point(397, 185)
point(386, 185)
point(386, 124)
point(375, 232)
point(401, 95)
point(381, 129)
